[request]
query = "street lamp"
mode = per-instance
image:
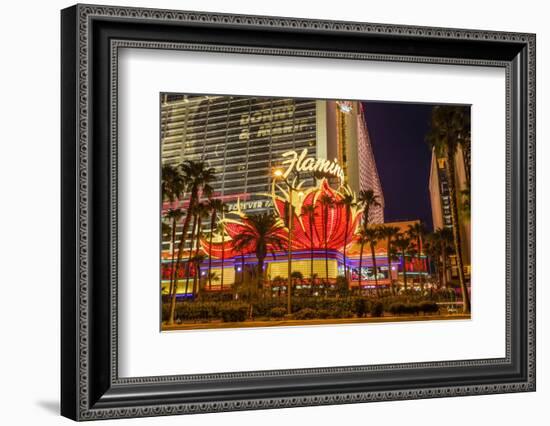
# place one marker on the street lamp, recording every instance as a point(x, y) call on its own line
point(278, 174)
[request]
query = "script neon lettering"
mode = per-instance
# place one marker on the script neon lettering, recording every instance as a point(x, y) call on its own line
point(302, 163)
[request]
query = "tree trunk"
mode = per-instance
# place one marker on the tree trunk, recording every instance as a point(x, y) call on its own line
point(419, 263)
point(373, 255)
point(186, 223)
point(311, 252)
point(361, 266)
point(242, 270)
point(260, 273)
point(190, 254)
point(171, 290)
point(197, 277)
point(223, 256)
point(456, 232)
point(404, 270)
point(444, 266)
point(212, 223)
point(325, 231)
point(345, 243)
point(389, 267)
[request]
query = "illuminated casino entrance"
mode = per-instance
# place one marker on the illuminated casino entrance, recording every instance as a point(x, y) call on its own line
point(324, 221)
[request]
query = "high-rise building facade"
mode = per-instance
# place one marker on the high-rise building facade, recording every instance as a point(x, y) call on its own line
point(243, 139)
point(441, 202)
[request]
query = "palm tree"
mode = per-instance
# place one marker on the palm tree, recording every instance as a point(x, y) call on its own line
point(197, 177)
point(201, 212)
point(348, 201)
point(444, 239)
point(173, 183)
point(465, 204)
point(261, 234)
point(389, 233)
point(215, 206)
point(402, 244)
point(432, 252)
point(196, 261)
point(416, 233)
point(372, 235)
point(213, 276)
point(309, 211)
point(362, 240)
point(367, 199)
point(221, 225)
point(450, 128)
point(326, 203)
point(173, 215)
point(166, 229)
point(191, 244)
point(297, 277)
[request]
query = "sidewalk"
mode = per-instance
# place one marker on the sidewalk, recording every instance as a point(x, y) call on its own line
point(332, 321)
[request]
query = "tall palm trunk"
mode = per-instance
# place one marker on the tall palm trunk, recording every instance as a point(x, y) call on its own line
point(325, 231)
point(361, 265)
point(456, 231)
point(443, 265)
point(389, 267)
point(242, 269)
point(196, 266)
point(346, 243)
point(188, 265)
point(373, 255)
point(173, 280)
point(223, 256)
point(212, 223)
point(311, 252)
point(260, 273)
point(437, 266)
point(418, 262)
point(404, 269)
point(186, 223)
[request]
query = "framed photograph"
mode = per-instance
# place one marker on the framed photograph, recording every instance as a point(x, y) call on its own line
point(263, 212)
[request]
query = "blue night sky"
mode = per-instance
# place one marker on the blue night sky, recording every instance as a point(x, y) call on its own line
point(397, 132)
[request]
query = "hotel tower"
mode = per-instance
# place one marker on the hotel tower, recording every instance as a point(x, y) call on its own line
point(243, 139)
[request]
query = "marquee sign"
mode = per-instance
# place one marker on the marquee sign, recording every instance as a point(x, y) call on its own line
point(302, 163)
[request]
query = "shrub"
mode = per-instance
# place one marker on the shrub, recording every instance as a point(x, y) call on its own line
point(377, 309)
point(236, 313)
point(195, 311)
point(306, 313)
point(411, 309)
point(165, 311)
point(263, 308)
point(278, 312)
point(324, 313)
point(397, 308)
point(429, 307)
point(342, 286)
point(360, 307)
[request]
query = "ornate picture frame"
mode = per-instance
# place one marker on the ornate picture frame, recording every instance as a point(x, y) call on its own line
point(91, 39)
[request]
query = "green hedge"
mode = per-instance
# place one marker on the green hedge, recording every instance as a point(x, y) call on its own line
point(234, 313)
point(205, 311)
point(377, 309)
point(413, 308)
point(306, 313)
point(302, 308)
point(278, 312)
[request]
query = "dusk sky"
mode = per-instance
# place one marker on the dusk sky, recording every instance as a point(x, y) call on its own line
point(397, 132)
